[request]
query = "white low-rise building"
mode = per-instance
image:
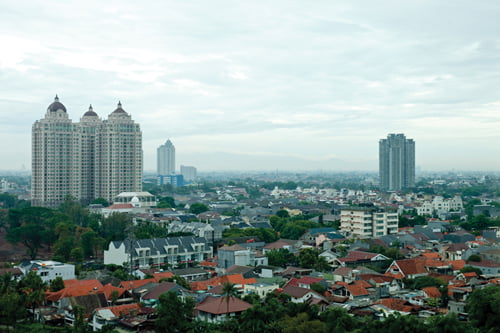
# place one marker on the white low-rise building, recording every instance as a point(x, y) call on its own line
point(146, 253)
point(48, 269)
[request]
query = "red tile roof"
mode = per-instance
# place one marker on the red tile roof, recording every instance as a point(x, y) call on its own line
point(129, 285)
point(398, 305)
point(432, 292)
point(408, 267)
point(357, 289)
point(122, 310)
point(76, 288)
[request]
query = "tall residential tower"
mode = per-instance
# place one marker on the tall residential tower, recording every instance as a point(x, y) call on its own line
point(166, 159)
point(396, 162)
point(90, 159)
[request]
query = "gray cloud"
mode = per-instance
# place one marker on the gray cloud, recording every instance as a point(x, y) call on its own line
point(252, 80)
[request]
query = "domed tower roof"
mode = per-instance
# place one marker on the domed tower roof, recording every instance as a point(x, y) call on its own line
point(56, 105)
point(119, 108)
point(90, 112)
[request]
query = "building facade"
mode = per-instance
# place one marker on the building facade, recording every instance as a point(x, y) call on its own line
point(165, 155)
point(89, 159)
point(189, 173)
point(146, 253)
point(396, 162)
point(368, 222)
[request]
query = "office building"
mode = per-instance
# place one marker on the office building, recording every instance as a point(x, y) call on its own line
point(396, 162)
point(89, 159)
point(166, 159)
point(188, 172)
point(368, 222)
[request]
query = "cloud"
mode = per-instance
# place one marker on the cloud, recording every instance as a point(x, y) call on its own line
point(284, 79)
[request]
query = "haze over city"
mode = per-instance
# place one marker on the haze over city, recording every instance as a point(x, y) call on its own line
point(286, 85)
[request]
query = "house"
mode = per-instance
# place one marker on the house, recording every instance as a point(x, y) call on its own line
point(407, 268)
point(48, 270)
point(235, 255)
point(218, 309)
point(146, 253)
point(488, 267)
point(301, 295)
point(259, 289)
point(111, 314)
point(280, 244)
point(389, 306)
point(355, 258)
point(150, 298)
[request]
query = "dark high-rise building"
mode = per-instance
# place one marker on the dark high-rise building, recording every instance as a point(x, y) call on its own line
point(396, 162)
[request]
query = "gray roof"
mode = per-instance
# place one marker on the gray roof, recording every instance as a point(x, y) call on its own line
point(159, 245)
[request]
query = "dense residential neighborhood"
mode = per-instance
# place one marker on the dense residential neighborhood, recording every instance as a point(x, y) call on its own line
point(256, 255)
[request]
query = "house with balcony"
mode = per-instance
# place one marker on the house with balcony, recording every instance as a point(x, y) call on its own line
point(146, 253)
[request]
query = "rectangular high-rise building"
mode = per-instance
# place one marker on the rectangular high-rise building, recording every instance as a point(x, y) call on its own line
point(90, 159)
point(165, 155)
point(396, 162)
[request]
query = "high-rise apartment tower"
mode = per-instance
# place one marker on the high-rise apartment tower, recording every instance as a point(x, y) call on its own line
point(90, 159)
point(396, 162)
point(166, 159)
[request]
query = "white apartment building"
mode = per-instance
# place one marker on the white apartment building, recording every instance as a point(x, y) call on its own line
point(89, 159)
point(368, 222)
point(166, 159)
point(440, 205)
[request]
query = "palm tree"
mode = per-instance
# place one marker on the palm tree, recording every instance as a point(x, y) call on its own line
point(229, 290)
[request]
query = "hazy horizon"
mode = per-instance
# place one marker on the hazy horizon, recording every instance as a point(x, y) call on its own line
point(286, 85)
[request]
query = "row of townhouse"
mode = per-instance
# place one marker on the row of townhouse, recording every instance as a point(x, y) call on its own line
point(145, 253)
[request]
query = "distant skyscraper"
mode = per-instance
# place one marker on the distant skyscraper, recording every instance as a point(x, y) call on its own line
point(396, 162)
point(189, 172)
point(166, 159)
point(87, 160)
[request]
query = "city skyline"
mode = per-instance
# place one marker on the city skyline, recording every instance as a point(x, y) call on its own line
point(262, 86)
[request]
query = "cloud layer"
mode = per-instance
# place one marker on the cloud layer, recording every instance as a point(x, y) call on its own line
point(262, 85)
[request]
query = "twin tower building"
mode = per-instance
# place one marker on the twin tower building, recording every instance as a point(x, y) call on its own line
point(92, 158)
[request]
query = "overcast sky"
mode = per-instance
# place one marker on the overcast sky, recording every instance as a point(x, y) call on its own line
point(262, 85)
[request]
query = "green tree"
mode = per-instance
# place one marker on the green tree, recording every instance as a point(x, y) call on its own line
point(100, 201)
point(33, 288)
point(310, 258)
point(174, 314)
point(338, 320)
point(280, 257)
point(302, 323)
point(33, 227)
point(483, 306)
point(198, 208)
point(229, 291)
point(474, 257)
point(57, 284)
point(76, 254)
point(468, 269)
point(283, 213)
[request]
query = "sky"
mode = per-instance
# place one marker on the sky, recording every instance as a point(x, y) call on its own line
point(262, 85)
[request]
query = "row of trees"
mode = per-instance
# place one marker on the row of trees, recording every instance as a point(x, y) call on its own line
point(279, 314)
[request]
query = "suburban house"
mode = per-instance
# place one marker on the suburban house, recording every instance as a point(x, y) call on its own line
point(235, 255)
point(111, 314)
point(260, 289)
point(407, 268)
point(145, 253)
point(217, 309)
point(48, 270)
